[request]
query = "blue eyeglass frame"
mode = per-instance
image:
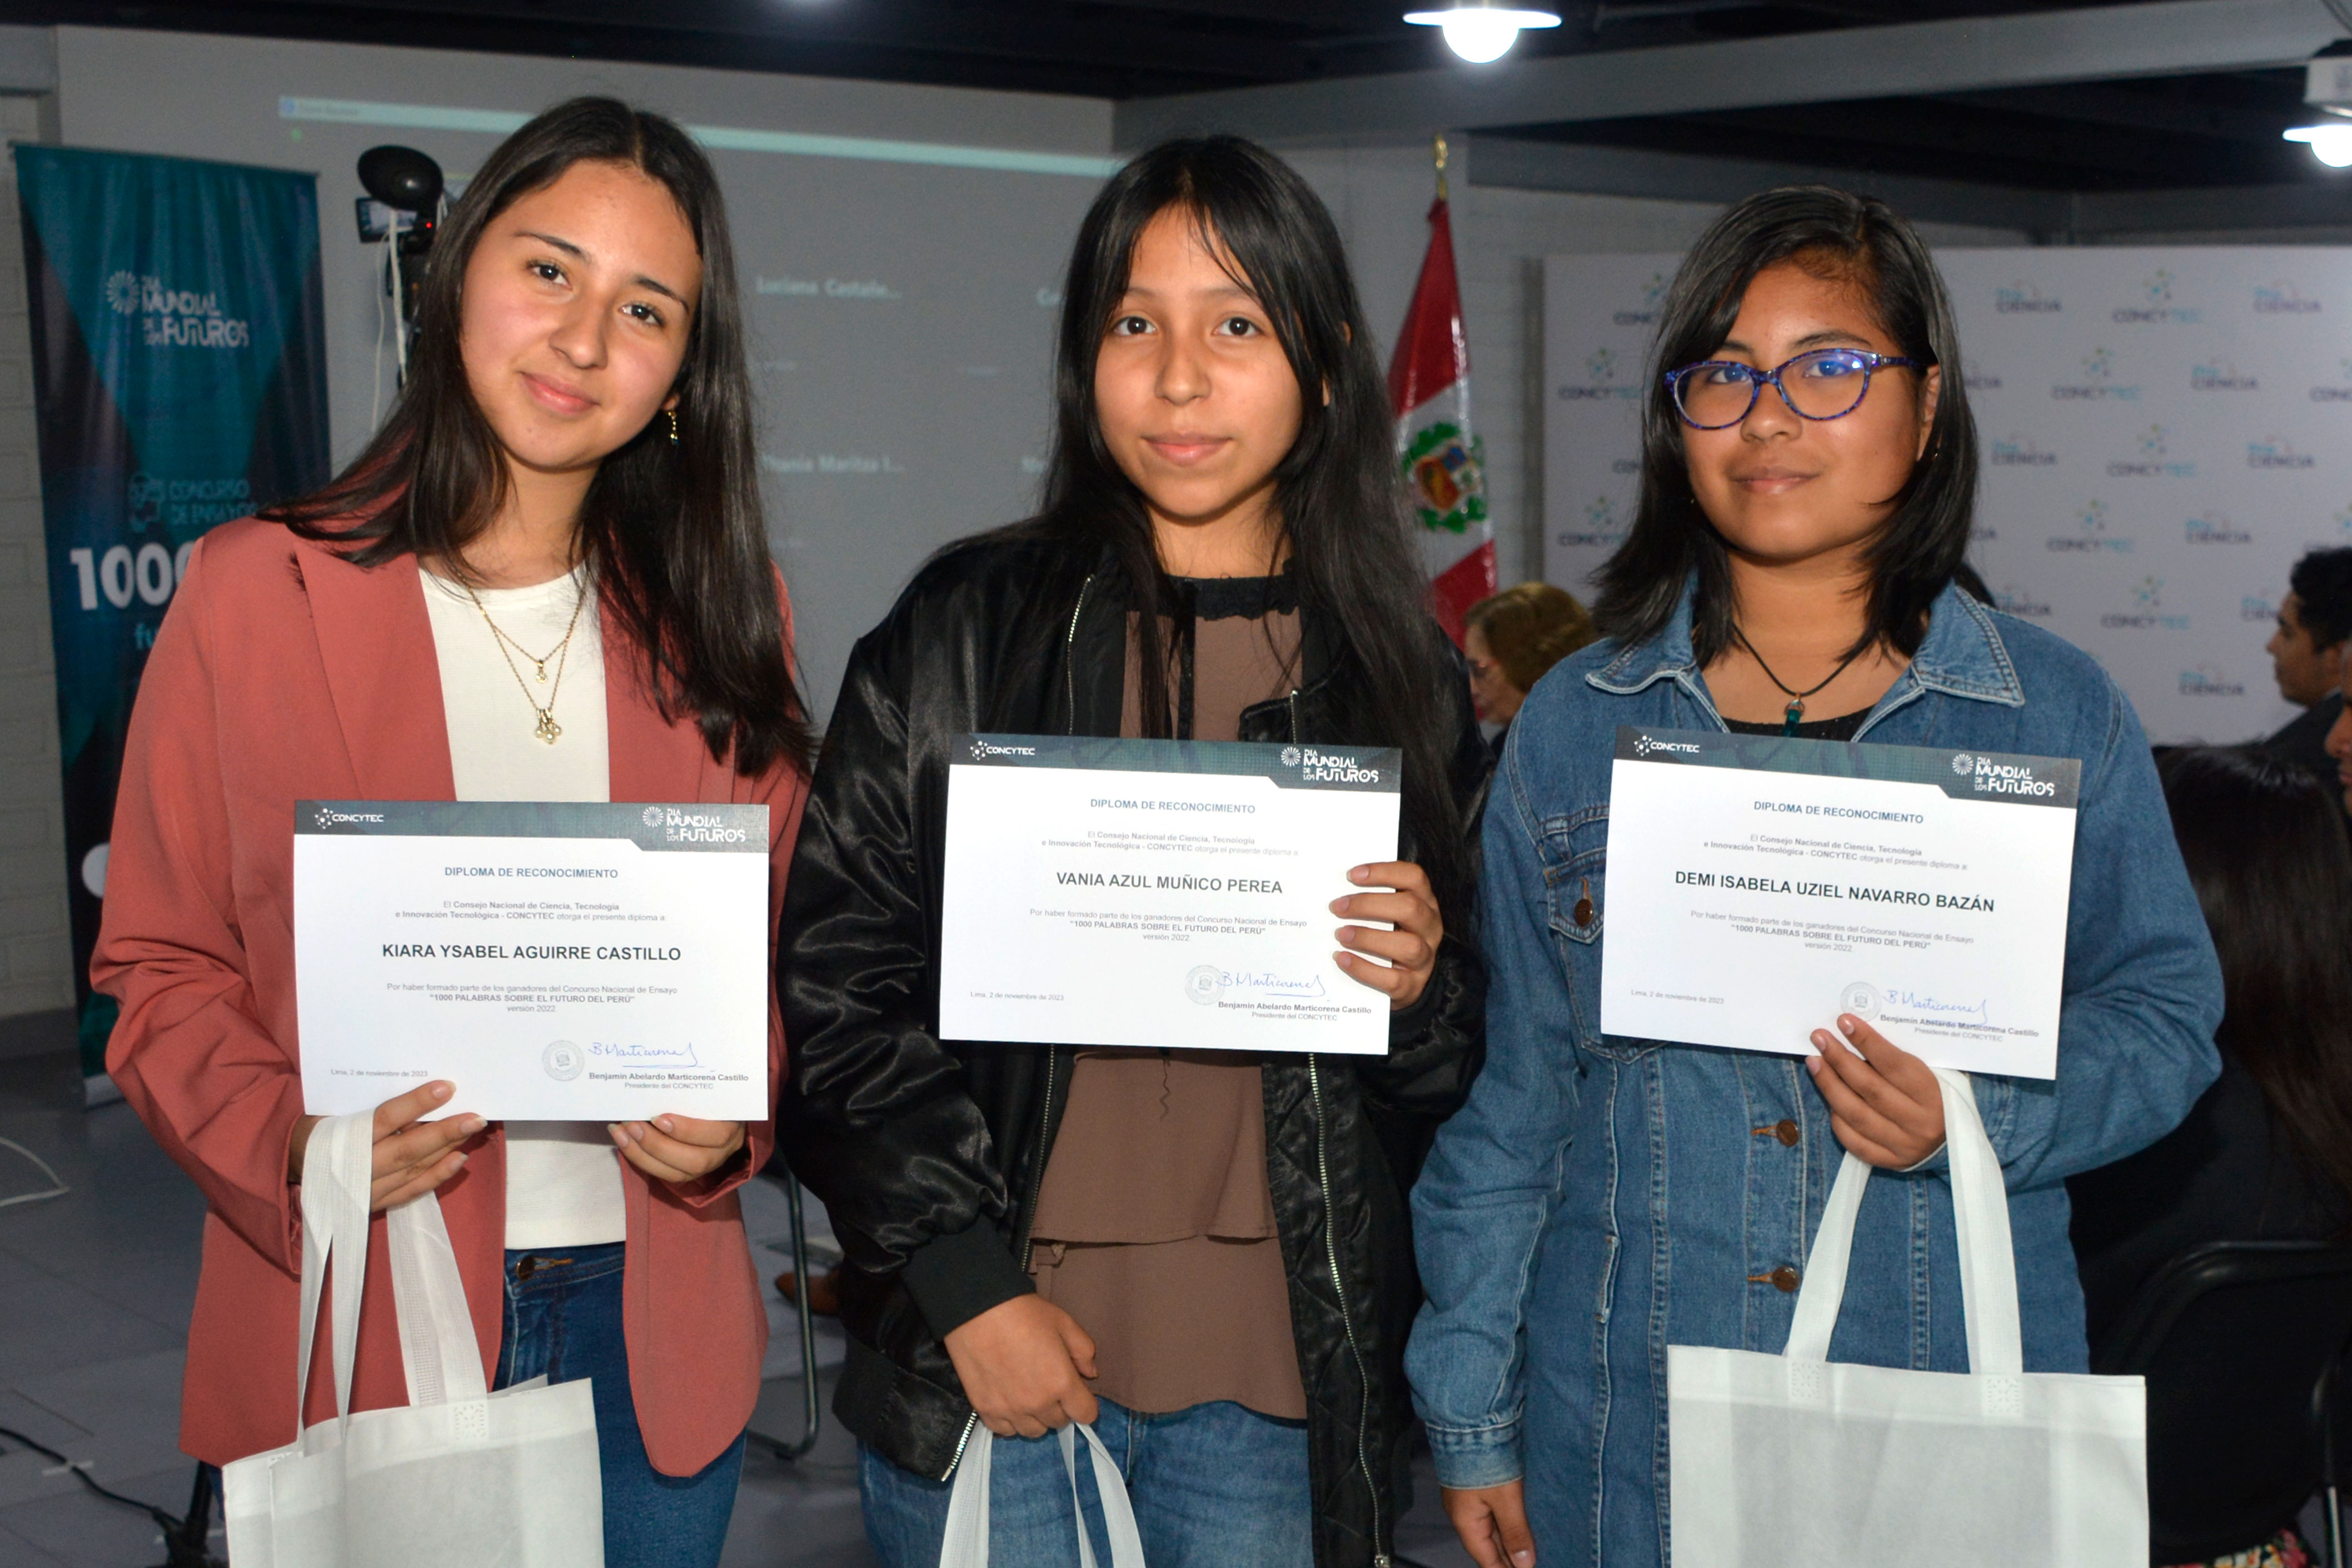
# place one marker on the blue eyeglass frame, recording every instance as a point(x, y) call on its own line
point(1756, 378)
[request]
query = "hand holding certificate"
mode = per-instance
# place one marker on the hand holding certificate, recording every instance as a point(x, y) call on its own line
point(1159, 892)
point(1758, 886)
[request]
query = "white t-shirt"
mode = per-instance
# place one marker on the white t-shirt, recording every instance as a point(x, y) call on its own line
point(563, 1178)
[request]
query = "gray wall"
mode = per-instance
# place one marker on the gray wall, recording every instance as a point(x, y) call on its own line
point(36, 956)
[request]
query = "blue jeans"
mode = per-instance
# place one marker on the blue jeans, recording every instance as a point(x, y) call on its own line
point(563, 1319)
point(1215, 1485)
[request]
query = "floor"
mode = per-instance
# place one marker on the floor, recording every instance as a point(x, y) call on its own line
point(95, 1290)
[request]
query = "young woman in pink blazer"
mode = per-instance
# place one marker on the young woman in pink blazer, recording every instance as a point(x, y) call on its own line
point(546, 579)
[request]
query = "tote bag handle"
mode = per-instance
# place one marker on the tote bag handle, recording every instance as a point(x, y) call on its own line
point(1980, 1215)
point(338, 1166)
point(966, 1545)
point(438, 1351)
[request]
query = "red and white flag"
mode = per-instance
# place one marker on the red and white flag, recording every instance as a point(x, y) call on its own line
point(1444, 466)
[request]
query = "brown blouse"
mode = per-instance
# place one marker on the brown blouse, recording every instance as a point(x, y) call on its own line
point(1155, 1227)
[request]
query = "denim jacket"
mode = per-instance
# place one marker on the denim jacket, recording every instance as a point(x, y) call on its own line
point(1601, 1197)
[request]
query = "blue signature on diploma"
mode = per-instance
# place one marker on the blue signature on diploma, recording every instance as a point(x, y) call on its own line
point(670, 1055)
point(1977, 1012)
point(1273, 985)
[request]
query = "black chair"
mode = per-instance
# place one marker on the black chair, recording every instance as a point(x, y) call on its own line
point(2244, 1346)
point(782, 1175)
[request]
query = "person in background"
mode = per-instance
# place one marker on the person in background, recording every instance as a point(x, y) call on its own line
point(1512, 638)
point(1809, 473)
point(2307, 655)
point(567, 482)
point(1203, 1254)
point(2266, 1153)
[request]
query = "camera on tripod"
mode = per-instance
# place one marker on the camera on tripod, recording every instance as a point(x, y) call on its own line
point(402, 208)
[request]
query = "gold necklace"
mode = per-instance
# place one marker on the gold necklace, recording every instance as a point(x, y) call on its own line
point(546, 730)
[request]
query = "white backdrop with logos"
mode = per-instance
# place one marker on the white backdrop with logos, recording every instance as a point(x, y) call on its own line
point(2164, 433)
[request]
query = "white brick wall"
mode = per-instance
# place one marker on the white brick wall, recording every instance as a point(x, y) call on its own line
point(36, 952)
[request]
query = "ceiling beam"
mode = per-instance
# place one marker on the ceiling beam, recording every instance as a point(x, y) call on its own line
point(2051, 216)
point(1512, 163)
point(2170, 39)
point(2221, 209)
point(939, 28)
point(2091, 103)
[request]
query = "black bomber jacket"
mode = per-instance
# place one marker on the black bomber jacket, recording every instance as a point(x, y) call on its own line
point(928, 1154)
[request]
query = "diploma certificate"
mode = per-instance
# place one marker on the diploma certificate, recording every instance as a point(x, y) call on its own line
point(554, 961)
point(1760, 886)
point(1160, 892)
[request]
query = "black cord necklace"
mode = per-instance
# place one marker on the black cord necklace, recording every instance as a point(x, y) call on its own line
point(1796, 698)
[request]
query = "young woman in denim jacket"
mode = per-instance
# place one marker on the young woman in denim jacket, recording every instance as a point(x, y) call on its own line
point(1601, 1197)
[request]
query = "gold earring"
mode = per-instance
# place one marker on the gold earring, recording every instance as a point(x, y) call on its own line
point(673, 425)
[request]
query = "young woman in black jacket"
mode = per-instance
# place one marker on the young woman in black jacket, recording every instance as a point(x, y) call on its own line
point(1204, 1254)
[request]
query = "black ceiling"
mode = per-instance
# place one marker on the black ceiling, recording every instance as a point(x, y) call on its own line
point(2212, 129)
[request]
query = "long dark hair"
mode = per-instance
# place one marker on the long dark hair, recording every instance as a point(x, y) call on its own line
point(1852, 238)
point(672, 529)
point(2265, 845)
point(1338, 494)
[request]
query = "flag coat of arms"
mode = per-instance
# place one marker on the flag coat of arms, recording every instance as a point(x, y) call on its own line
point(1443, 463)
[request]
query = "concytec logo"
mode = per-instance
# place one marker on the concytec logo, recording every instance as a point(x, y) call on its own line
point(1602, 527)
point(1602, 366)
point(981, 749)
point(2151, 460)
point(2098, 383)
point(1654, 294)
point(1332, 767)
point(2157, 303)
point(326, 817)
point(1644, 744)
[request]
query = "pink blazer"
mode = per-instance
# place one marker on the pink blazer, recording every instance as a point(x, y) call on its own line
point(283, 673)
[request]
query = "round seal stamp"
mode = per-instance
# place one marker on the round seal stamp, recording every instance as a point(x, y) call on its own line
point(1205, 984)
point(563, 1060)
point(1860, 999)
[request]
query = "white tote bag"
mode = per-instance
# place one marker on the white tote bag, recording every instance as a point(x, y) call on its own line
point(461, 1477)
point(1795, 1459)
point(967, 1538)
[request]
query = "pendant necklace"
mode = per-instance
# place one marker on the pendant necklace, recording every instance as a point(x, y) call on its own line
point(1796, 698)
point(546, 730)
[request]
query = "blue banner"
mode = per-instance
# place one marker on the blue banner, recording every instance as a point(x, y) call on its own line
point(179, 361)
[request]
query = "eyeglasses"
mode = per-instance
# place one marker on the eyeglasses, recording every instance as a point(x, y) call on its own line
point(1827, 383)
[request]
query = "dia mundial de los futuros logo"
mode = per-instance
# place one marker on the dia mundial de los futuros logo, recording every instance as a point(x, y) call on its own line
point(1987, 777)
point(176, 317)
point(1328, 768)
point(679, 827)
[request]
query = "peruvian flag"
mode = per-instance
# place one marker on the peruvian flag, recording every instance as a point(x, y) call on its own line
point(1429, 383)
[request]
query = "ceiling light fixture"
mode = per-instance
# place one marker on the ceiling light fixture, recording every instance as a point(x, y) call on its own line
point(2328, 87)
point(1480, 32)
point(2330, 143)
